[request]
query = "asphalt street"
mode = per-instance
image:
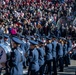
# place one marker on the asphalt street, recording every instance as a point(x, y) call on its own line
point(70, 70)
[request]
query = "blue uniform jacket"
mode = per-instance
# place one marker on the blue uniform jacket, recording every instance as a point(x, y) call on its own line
point(69, 43)
point(48, 51)
point(33, 60)
point(54, 44)
point(60, 50)
point(16, 63)
point(41, 52)
point(65, 49)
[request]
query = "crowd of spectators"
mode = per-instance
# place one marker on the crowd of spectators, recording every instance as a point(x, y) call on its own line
point(42, 17)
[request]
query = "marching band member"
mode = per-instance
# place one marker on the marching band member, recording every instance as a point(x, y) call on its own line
point(65, 51)
point(23, 49)
point(60, 54)
point(54, 44)
point(48, 57)
point(41, 60)
point(33, 59)
point(69, 44)
point(16, 58)
point(6, 44)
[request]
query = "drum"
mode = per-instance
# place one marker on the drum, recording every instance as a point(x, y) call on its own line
point(4, 54)
point(2, 57)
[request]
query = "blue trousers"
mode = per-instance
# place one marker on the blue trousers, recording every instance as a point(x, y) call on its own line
point(54, 66)
point(61, 64)
point(32, 72)
point(41, 71)
point(48, 63)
